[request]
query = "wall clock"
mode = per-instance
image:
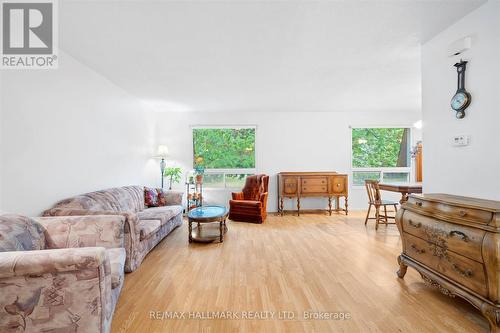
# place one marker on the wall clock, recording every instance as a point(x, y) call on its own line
point(462, 98)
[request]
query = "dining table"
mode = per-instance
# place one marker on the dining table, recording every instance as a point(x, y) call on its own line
point(405, 189)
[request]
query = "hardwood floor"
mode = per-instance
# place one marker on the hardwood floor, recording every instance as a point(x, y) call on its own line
point(309, 263)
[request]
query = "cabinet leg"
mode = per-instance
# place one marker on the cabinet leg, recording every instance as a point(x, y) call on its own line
point(298, 206)
point(493, 316)
point(330, 205)
point(346, 205)
point(402, 268)
point(282, 204)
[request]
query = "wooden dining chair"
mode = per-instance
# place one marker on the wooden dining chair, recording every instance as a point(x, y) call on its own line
point(374, 199)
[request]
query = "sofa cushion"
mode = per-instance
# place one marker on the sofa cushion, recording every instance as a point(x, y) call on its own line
point(163, 214)
point(151, 197)
point(148, 228)
point(20, 233)
point(116, 258)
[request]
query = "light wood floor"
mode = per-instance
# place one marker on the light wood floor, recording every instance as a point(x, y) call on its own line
point(310, 263)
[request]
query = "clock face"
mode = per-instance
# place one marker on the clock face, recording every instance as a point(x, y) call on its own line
point(459, 101)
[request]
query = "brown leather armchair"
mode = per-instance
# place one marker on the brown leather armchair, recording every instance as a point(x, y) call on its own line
point(250, 204)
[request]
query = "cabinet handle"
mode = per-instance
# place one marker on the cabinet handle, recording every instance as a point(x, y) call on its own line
point(418, 203)
point(416, 249)
point(463, 272)
point(338, 185)
point(413, 224)
point(464, 237)
point(462, 213)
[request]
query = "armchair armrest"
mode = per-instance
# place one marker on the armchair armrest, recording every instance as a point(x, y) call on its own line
point(55, 290)
point(83, 231)
point(245, 204)
point(172, 197)
point(263, 199)
point(237, 196)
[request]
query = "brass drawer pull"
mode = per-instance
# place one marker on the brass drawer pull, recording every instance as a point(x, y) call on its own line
point(462, 213)
point(413, 224)
point(464, 237)
point(465, 273)
point(418, 203)
point(416, 249)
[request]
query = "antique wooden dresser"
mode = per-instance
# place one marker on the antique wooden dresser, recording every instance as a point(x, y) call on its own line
point(312, 184)
point(454, 243)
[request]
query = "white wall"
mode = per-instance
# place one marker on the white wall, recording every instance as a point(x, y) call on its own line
point(294, 141)
point(471, 170)
point(69, 131)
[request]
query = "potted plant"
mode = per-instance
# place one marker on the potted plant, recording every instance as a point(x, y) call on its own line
point(199, 169)
point(173, 174)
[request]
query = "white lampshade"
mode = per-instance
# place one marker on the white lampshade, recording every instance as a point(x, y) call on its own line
point(162, 151)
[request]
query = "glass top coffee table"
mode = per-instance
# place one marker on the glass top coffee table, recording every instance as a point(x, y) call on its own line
point(206, 218)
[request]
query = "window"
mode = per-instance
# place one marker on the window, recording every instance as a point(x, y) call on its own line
point(380, 153)
point(226, 153)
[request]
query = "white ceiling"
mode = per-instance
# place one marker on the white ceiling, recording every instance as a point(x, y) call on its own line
point(260, 55)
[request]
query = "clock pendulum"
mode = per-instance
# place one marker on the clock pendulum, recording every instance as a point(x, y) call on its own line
point(462, 98)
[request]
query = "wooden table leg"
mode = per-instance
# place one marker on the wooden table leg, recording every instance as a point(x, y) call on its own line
point(330, 205)
point(190, 228)
point(346, 206)
point(221, 230)
point(298, 206)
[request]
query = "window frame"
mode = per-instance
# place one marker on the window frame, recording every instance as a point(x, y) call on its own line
point(226, 171)
point(382, 170)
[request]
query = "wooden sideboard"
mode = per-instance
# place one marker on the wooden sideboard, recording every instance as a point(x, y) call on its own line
point(298, 185)
point(454, 242)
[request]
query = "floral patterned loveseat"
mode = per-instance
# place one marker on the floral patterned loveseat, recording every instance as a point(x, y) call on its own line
point(144, 227)
point(60, 274)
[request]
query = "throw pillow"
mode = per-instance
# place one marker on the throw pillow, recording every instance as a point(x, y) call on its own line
point(162, 197)
point(150, 197)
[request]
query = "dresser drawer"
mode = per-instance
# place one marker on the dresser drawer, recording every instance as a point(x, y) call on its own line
point(457, 238)
point(454, 212)
point(465, 271)
point(315, 189)
point(316, 181)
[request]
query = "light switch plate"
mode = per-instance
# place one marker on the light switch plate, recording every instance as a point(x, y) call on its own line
point(460, 140)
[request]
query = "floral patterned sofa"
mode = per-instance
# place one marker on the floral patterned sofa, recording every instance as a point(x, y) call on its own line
point(60, 274)
point(144, 227)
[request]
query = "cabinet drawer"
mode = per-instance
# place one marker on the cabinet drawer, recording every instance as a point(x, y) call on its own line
point(454, 212)
point(464, 240)
point(339, 185)
point(317, 181)
point(315, 189)
point(465, 271)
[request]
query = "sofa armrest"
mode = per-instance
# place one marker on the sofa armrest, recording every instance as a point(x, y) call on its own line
point(33, 263)
point(173, 197)
point(237, 196)
point(83, 231)
point(55, 290)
